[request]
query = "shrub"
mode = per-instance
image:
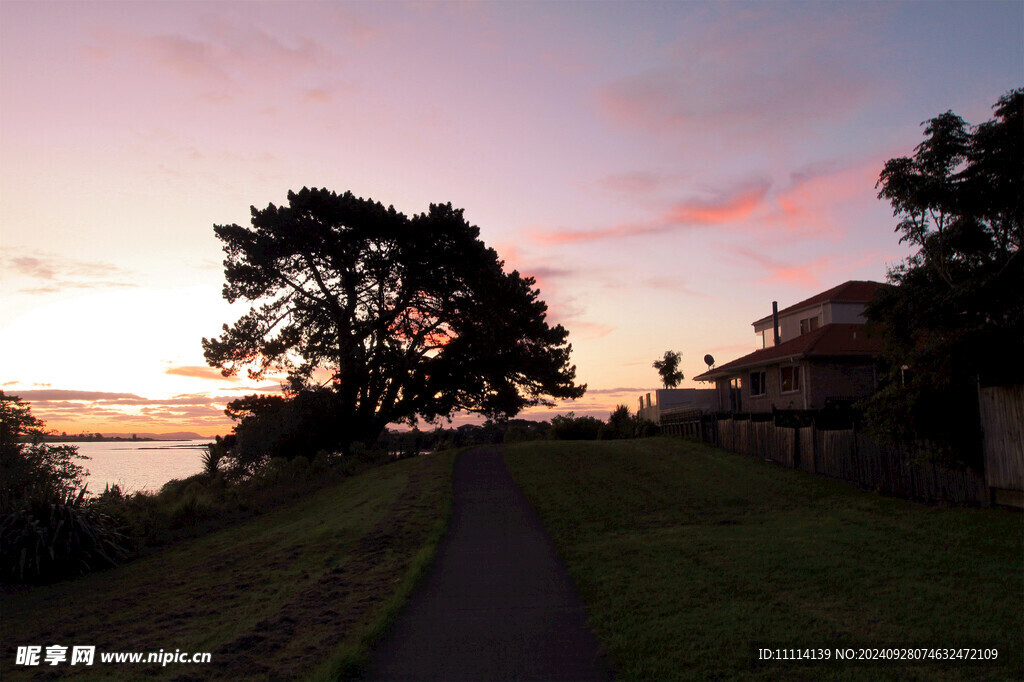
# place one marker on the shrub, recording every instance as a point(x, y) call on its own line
point(215, 453)
point(571, 427)
point(52, 537)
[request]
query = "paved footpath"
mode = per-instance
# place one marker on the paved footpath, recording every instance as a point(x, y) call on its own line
point(497, 603)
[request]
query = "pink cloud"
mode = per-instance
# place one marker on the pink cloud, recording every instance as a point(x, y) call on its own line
point(636, 182)
point(351, 25)
point(673, 285)
point(318, 96)
point(592, 330)
point(543, 273)
point(778, 272)
point(225, 59)
point(193, 59)
point(726, 208)
point(751, 75)
point(561, 310)
point(58, 273)
point(731, 206)
point(63, 395)
point(817, 193)
point(572, 237)
point(197, 372)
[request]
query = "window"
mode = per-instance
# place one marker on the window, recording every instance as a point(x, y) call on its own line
point(735, 401)
point(808, 324)
point(790, 378)
point(757, 384)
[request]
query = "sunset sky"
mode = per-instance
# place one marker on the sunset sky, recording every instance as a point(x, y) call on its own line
point(664, 169)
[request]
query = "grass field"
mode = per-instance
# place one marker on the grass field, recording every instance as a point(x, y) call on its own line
point(295, 593)
point(687, 555)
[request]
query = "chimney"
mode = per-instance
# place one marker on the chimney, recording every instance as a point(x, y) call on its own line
point(775, 321)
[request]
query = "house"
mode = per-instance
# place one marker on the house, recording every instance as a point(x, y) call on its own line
point(676, 400)
point(812, 354)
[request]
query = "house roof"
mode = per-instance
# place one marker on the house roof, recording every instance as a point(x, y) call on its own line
point(854, 291)
point(831, 340)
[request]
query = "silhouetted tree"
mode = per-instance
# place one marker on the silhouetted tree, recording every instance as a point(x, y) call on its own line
point(407, 318)
point(668, 368)
point(571, 427)
point(956, 313)
point(27, 465)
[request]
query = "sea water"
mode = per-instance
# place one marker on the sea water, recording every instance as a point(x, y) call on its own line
point(139, 465)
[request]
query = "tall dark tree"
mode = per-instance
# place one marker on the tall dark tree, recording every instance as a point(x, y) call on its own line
point(956, 314)
point(401, 318)
point(668, 369)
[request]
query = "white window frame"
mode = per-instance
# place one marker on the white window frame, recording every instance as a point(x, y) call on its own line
point(811, 323)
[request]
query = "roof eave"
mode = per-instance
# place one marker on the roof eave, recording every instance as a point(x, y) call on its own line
point(727, 371)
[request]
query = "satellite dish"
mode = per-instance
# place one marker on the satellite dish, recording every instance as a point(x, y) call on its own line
point(709, 360)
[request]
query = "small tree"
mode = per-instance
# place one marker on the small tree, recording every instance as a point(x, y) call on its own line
point(27, 465)
point(668, 368)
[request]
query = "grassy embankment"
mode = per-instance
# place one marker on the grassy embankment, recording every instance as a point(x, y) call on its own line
point(295, 593)
point(686, 555)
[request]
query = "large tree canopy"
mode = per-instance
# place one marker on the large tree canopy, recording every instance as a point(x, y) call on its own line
point(406, 318)
point(956, 314)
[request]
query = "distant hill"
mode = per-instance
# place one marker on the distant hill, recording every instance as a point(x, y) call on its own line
point(176, 435)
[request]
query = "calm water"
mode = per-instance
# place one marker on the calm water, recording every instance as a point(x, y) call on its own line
point(143, 465)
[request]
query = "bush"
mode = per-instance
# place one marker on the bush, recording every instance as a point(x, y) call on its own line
point(55, 537)
point(571, 427)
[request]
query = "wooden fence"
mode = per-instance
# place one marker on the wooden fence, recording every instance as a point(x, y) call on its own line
point(845, 455)
point(1002, 425)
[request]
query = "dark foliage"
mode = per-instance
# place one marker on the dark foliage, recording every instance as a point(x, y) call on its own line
point(956, 313)
point(622, 424)
point(47, 530)
point(32, 468)
point(571, 427)
point(411, 318)
point(668, 369)
point(272, 427)
point(57, 537)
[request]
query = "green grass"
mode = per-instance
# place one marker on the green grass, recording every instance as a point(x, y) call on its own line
point(686, 555)
point(296, 592)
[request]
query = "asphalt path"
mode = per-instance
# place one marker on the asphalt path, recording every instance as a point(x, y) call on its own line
point(497, 604)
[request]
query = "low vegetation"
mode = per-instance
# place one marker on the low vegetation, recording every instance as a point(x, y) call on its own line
point(51, 530)
point(294, 592)
point(687, 556)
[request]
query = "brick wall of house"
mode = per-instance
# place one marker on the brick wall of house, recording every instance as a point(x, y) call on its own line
point(820, 380)
point(840, 378)
point(774, 397)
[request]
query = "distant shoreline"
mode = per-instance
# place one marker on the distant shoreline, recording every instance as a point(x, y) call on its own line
point(93, 438)
point(83, 439)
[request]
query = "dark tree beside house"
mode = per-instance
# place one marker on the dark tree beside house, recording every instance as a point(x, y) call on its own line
point(956, 315)
point(668, 368)
point(401, 318)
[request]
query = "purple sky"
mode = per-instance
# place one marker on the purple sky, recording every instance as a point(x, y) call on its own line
point(665, 170)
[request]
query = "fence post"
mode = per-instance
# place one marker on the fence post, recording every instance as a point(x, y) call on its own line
point(814, 445)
